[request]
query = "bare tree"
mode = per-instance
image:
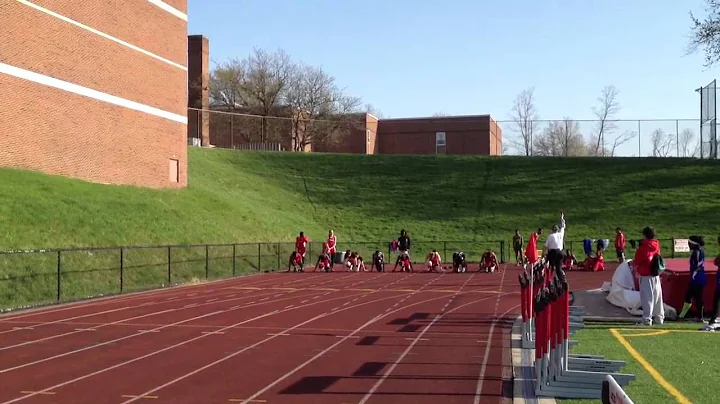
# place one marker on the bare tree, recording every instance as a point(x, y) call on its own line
point(227, 84)
point(524, 117)
point(688, 147)
point(370, 109)
point(705, 33)
point(560, 138)
point(662, 143)
point(322, 112)
point(605, 113)
point(440, 114)
point(620, 140)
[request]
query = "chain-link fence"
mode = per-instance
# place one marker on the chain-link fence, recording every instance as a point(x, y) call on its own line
point(617, 138)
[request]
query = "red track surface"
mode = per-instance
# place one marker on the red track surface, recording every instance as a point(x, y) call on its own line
point(275, 338)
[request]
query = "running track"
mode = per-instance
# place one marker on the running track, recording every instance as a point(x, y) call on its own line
point(274, 338)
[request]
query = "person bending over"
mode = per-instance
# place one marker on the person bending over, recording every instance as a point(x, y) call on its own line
point(434, 262)
point(324, 263)
point(697, 277)
point(405, 264)
point(459, 262)
point(295, 263)
point(378, 261)
point(489, 262)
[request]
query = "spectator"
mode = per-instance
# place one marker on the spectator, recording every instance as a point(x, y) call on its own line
point(517, 242)
point(697, 276)
point(620, 242)
point(650, 288)
point(712, 321)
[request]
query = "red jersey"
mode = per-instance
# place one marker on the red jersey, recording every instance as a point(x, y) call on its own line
point(331, 242)
point(324, 261)
point(435, 258)
point(620, 241)
point(644, 256)
point(301, 244)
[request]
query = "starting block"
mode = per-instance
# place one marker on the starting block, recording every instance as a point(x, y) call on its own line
point(548, 321)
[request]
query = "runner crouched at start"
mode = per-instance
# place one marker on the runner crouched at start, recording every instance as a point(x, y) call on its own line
point(324, 263)
point(378, 261)
point(405, 264)
point(488, 262)
point(295, 263)
point(459, 262)
point(434, 262)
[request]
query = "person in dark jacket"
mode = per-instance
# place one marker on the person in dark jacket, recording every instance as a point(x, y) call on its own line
point(517, 242)
point(712, 321)
point(403, 247)
point(697, 276)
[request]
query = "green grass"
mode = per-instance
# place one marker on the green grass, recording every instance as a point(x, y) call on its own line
point(237, 197)
point(687, 359)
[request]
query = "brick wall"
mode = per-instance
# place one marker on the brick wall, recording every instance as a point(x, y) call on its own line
point(463, 134)
point(107, 108)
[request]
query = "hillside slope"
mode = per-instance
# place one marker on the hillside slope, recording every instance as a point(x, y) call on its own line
point(242, 196)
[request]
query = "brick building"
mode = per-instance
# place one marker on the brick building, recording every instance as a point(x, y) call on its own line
point(474, 134)
point(95, 91)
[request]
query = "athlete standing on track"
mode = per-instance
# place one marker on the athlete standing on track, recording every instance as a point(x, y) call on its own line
point(332, 246)
point(301, 243)
point(403, 247)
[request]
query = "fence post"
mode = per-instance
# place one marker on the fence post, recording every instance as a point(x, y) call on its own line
point(502, 251)
point(277, 246)
point(59, 260)
point(207, 263)
point(169, 274)
point(259, 256)
point(445, 249)
point(233, 260)
point(122, 268)
point(672, 246)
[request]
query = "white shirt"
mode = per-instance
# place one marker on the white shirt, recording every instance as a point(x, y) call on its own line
point(556, 241)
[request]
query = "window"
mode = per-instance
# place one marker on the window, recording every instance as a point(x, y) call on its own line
point(439, 138)
point(367, 135)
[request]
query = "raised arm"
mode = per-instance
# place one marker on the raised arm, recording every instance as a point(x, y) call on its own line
point(562, 222)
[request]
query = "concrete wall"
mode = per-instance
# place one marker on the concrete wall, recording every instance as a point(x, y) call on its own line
point(106, 108)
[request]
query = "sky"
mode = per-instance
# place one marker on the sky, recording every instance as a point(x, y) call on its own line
point(462, 57)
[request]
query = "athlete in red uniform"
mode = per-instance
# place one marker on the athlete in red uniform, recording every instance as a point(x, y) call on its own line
point(332, 246)
point(323, 263)
point(489, 262)
point(301, 243)
point(434, 262)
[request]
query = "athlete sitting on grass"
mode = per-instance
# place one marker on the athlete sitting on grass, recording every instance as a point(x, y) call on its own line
point(488, 262)
point(459, 262)
point(378, 261)
point(697, 277)
point(324, 263)
point(434, 262)
point(295, 263)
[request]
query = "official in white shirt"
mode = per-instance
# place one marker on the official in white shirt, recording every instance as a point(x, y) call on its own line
point(555, 244)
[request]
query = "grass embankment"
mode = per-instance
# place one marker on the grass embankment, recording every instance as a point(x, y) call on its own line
point(687, 360)
point(249, 197)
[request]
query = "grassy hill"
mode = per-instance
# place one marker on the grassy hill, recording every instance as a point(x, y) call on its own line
point(251, 197)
